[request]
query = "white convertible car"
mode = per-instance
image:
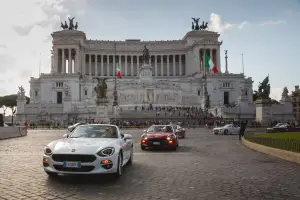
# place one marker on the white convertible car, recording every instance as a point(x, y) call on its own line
point(227, 129)
point(89, 149)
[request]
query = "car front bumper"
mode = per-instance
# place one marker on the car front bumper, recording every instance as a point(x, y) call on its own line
point(159, 143)
point(218, 131)
point(95, 167)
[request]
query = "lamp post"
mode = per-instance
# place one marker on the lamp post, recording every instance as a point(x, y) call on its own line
point(206, 96)
point(115, 93)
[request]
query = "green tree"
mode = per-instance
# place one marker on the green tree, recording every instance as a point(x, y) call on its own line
point(10, 101)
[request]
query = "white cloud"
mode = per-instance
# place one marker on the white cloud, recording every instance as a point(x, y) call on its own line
point(242, 25)
point(25, 40)
point(217, 25)
point(273, 22)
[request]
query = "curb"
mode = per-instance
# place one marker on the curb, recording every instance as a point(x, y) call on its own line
point(279, 153)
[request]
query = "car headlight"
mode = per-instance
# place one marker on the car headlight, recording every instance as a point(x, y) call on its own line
point(171, 137)
point(106, 152)
point(144, 137)
point(48, 151)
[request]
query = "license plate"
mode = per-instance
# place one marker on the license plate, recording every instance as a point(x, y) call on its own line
point(156, 143)
point(72, 164)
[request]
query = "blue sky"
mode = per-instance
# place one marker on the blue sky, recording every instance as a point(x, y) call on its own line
point(268, 49)
point(266, 32)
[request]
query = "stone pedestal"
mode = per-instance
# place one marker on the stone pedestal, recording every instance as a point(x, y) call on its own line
point(263, 111)
point(20, 115)
point(102, 111)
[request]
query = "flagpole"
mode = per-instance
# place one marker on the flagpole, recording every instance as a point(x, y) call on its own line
point(40, 64)
point(115, 103)
point(243, 63)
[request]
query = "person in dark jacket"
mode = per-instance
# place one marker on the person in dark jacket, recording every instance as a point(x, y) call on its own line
point(242, 129)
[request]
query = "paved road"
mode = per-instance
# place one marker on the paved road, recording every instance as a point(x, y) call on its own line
point(206, 166)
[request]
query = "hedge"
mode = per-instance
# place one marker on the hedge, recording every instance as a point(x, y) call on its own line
point(284, 144)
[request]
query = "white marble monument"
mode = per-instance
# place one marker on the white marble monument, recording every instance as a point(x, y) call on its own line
point(172, 77)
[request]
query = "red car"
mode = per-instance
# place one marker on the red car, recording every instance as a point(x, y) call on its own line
point(159, 136)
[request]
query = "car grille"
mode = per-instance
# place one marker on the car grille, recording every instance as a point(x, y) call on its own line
point(82, 169)
point(161, 140)
point(73, 157)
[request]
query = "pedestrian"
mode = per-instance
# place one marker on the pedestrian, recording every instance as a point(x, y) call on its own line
point(242, 129)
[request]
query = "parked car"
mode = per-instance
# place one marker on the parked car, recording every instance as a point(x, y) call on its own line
point(159, 136)
point(278, 128)
point(227, 129)
point(89, 149)
point(72, 127)
point(180, 132)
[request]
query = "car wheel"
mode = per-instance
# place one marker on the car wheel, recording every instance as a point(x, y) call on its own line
point(143, 148)
point(226, 132)
point(52, 174)
point(130, 161)
point(120, 166)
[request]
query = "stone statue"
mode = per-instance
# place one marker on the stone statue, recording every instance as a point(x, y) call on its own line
point(243, 92)
point(204, 26)
point(21, 93)
point(285, 92)
point(264, 89)
point(146, 55)
point(101, 88)
point(196, 21)
point(71, 23)
point(193, 26)
point(67, 92)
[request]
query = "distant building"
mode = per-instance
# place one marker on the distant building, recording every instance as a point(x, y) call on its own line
point(296, 102)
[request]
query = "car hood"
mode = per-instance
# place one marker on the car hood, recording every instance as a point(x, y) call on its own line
point(81, 145)
point(157, 134)
point(218, 128)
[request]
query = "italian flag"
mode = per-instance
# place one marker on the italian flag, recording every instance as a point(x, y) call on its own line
point(118, 70)
point(209, 64)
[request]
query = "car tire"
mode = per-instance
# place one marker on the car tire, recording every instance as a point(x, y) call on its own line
point(174, 148)
point(225, 132)
point(52, 174)
point(130, 161)
point(143, 148)
point(120, 166)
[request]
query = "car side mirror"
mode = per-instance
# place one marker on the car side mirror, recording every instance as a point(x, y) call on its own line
point(145, 131)
point(65, 135)
point(127, 137)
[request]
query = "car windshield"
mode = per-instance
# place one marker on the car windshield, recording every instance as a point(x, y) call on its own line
point(95, 131)
point(228, 125)
point(162, 128)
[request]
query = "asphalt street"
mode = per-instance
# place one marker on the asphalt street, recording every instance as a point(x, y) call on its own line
point(206, 166)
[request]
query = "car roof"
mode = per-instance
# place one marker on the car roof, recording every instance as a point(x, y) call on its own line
point(99, 125)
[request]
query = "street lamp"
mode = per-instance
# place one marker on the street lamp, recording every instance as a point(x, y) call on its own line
point(115, 93)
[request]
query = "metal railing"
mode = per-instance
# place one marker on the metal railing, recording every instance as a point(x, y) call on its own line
point(284, 144)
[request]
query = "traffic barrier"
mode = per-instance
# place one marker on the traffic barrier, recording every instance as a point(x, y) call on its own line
point(12, 132)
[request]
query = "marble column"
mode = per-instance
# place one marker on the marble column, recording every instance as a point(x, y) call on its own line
point(56, 60)
point(168, 65)
point(155, 61)
point(102, 66)
point(114, 67)
point(131, 65)
point(70, 61)
point(180, 65)
point(90, 65)
point(63, 61)
point(218, 59)
point(174, 68)
point(107, 65)
point(162, 65)
point(96, 65)
point(83, 62)
point(77, 61)
point(126, 70)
